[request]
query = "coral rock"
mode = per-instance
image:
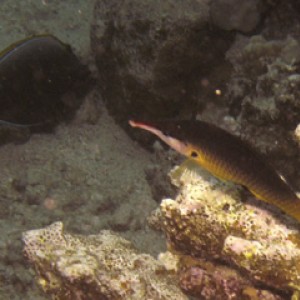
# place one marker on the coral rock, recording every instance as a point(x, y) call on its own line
point(103, 266)
point(242, 15)
point(297, 133)
point(157, 52)
point(207, 220)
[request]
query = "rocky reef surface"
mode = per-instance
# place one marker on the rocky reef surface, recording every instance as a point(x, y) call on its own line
point(158, 53)
point(263, 95)
point(231, 62)
point(103, 266)
point(208, 222)
point(219, 247)
point(84, 175)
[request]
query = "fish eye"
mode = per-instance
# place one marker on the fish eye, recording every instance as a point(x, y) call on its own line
point(194, 154)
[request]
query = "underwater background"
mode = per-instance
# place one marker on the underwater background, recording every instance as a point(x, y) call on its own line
point(91, 208)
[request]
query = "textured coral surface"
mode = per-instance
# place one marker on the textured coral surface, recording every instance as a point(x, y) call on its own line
point(208, 220)
point(103, 266)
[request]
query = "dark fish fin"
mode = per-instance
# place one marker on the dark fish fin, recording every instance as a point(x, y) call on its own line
point(11, 124)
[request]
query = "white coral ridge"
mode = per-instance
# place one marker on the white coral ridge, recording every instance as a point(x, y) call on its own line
point(297, 133)
point(103, 266)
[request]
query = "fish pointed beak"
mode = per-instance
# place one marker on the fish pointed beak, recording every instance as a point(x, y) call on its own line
point(169, 140)
point(145, 126)
point(133, 123)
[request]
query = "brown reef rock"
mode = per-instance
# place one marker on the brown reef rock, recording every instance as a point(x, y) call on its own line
point(155, 57)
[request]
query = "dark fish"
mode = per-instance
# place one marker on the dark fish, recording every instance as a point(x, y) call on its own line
point(228, 157)
point(41, 79)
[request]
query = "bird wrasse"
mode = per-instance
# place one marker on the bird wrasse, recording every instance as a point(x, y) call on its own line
point(227, 157)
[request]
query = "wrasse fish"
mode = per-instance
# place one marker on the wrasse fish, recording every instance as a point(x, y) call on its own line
point(227, 157)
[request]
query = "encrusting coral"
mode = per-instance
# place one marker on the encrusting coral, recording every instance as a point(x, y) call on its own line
point(266, 80)
point(210, 280)
point(103, 266)
point(297, 133)
point(208, 220)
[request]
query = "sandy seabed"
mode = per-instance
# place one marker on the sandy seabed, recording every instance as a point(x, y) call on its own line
point(89, 176)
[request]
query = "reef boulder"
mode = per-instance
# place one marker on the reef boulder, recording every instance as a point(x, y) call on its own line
point(103, 266)
point(208, 221)
point(157, 59)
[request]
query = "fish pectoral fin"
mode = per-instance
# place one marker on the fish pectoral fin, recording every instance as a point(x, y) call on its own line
point(188, 167)
point(191, 165)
